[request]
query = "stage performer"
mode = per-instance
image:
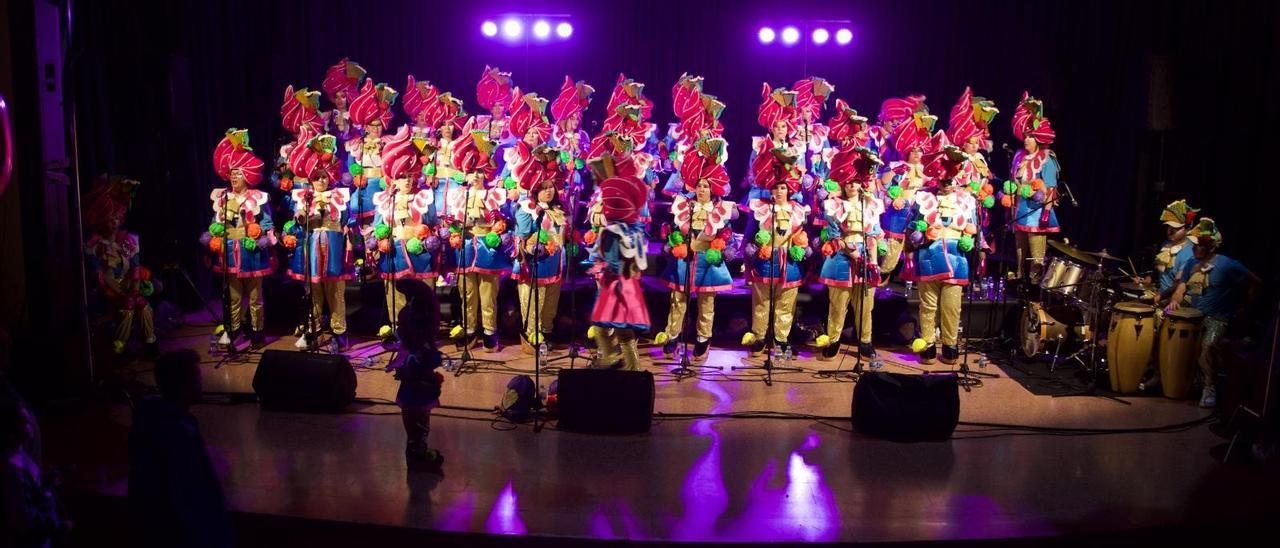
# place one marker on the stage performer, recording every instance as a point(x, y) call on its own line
point(322, 223)
point(371, 112)
point(567, 135)
point(627, 126)
point(814, 136)
point(241, 234)
point(1034, 185)
point(941, 233)
point(415, 367)
point(780, 116)
point(1220, 288)
point(479, 235)
point(341, 85)
point(407, 243)
point(852, 243)
point(700, 243)
point(298, 113)
point(619, 314)
point(894, 111)
point(776, 250)
point(1177, 250)
point(699, 115)
point(910, 141)
point(969, 128)
point(113, 261)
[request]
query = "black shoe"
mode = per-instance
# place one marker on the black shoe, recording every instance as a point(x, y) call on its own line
point(152, 350)
point(257, 340)
point(392, 341)
point(867, 350)
point(829, 352)
point(342, 342)
point(929, 355)
point(491, 342)
point(425, 459)
point(669, 348)
point(950, 354)
point(700, 349)
point(756, 348)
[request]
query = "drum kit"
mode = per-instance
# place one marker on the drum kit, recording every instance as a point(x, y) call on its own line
point(1080, 295)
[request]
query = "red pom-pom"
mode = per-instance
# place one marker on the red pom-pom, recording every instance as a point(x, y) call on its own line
point(286, 184)
point(680, 252)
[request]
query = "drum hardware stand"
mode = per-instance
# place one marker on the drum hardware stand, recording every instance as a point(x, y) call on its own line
point(1092, 346)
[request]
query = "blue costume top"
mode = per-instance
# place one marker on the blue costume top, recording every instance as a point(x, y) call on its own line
point(854, 234)
point(1030, 216)
point(702, 227)
point(535, 219)
point(243, 254)
point(782, 266)
point(1217, 289)
point(484, 248)
point(949, 233)
point(414, 245)
point(322, 235)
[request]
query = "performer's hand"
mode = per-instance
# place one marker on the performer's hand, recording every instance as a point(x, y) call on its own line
point(1173, 305)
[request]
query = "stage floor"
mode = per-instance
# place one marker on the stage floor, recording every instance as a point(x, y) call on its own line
point(704, 479)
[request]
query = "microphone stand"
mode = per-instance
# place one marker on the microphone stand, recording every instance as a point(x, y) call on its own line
point(308, 339)
point(570, 223)
point(231, 349)
point(466, 359)
point(863, 253)
point(685, 367)
point(968, 379)
point(776, 264)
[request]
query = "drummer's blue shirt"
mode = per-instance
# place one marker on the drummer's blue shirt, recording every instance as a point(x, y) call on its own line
point(1221, 296)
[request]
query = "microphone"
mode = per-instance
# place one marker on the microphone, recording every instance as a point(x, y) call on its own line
point(1006, 148)
point(1070, 195)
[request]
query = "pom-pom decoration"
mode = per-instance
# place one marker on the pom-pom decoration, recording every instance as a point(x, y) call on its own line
point(249, 244)
point(989, 202)
point(899, 203)
point(965, 244)
point(895, 192)
point(286, 184)
point(796, 253)
point(762, 237)
point(718, 244)
point(680, 251)
point(1010, 187)
point(218, 229)
point(801, 239)
point(414, 246)
point(381, 231)
point(589, 237)
point(544, 236)
point(509, 182)
point(714, 257)
point(882, 247)
point(422, 232)
point(919, 345)
point(675, 239)
point(765, 252)
point(384, 246)
point(290, 241)
point(492, 240)
point(254, 230)
point(828, 249)
point(146, 288)
point(455, 240)
point(1006, 200)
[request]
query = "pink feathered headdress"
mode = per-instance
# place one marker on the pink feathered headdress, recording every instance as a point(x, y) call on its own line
point(374, 103)
point(971, 117)
point(494, 88)
point(778, 104)
point(811, 96)
point(232, 153)
point(402, 155)
point(573, 100)
point(1029, 121)
point(344, 76)
point(705, 161)
point(315, 155)
point(530, 114)
point(300, 108)
point(894, 110)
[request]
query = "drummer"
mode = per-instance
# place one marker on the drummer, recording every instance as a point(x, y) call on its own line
point(1176, 251)
point(1219, 287)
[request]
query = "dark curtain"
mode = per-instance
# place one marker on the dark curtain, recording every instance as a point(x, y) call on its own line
point(163, 80)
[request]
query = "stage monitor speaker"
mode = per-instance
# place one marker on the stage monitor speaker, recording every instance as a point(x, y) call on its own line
point(906, 407)
point(304, 381)
point(605, 401)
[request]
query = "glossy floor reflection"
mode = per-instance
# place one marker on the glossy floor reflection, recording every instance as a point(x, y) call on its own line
point(703, 479)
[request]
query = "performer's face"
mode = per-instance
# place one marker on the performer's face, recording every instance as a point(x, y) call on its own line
point(446, 131)
point(971, 146)
point(702, 192)
point(546, 192)
point(1175, 233)
point(781, 193)
point(851, 189)
point(238, 182)
point(111, 224)
point(571, 123)
point(1204, 250)
point(404, 185)
point(421, 118)
point(1030, 144)
point(374, 129)
point(532, 138)
point(475, 179)
point(779, 131)
point(340, 100)
point(498, 110)
point(321, 183)
point(914, 156)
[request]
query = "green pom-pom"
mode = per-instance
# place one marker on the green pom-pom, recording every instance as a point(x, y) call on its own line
point(895, 192)
point(146, 288)
point(831, 185)
point(249, 244)
point(714, 257)
point(382, 184)
point(1025, 191)
point(882, 247)
point(217, 229)
point(975, 186)
point(671, 156)
point(544, 236)
point(455, 229)
point(564, 156)
point(824, 234)
point(429, 170)
point(492, 240)
point(413, 246)
point(920, 226)
point(509, 182)
point(965, 244)
point(382, 231)
point(354, 169)
point(989, 202)
point(762, 237)
point(458, 177)
point(289, 226)
point(796, 253)
point(577, 163)
point(675, 239)
point(1010, 187)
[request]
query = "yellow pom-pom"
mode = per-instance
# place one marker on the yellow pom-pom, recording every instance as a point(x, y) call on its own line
point(660, 338)
point(823, 341)
point(384, 331)
point(919, 345)
point(591, 332)
point(118, 346)
point(748, 338)
point(456, 332)
point(218, 329)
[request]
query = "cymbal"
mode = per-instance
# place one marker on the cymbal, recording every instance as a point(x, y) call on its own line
point(1070, 251)
point(1105, 256)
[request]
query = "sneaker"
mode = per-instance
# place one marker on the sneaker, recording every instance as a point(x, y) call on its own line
point(756, 348)
point(866, 350)
point(950, 354)
point(1151, 384)
point(669, 348)
point(340, 340)
point(1209, 397)
point(427, 459)
point(257, 340)
point(700, 350)
point(491, 343)
point(929, 355)
point(829, 352)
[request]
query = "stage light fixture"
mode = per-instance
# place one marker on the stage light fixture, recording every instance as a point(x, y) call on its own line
point(564, 30)
point(820, 36)
point(766, 35)
point(542, 29)
point(511, 28)
point(790, 35)
point(844, 36)
point(489, 28)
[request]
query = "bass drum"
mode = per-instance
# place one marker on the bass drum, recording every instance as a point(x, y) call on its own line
point(1042, 326)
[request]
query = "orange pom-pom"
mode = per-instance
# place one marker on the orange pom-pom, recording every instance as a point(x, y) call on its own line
point(765, 252)
point(1037, 184)
point(384, 246)
point(254, 230)
point(422, 232)
point(933, 233)
point(499, 226)
point(359, 181)
point(717, 244)
point(801, 239)
point(680, 252)
point(286, 184)
point(829, 248)
point(899, 203)
point(987, 189)
point(590, 237)
point(1006, 200)
point(290, 241)
point(215, 245)
point(552, 247)
point(455, 240)
point(970, 228)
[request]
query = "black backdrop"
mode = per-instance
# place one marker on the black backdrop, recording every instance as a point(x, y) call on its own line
point(161, 81)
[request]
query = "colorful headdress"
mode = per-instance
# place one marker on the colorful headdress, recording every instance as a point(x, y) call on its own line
point(845, 124)
point(300, 108)
point(233, 153)
point(622, 197)
point(1029, 121)
point(628, 92)
point(706, 161)
point(697, 111)
point(315, 155)
point(775, 167)
point(403, 155)
point(573, 100)
point(1206, 229)
point(419, 98)
point(944, 164)
point(530, 114)
point(494, 88)
point(811, 96)
point(778, 104)
point(344, 76)
point(109, 198)
point(374, 103)
point(539, 165)
point(858, 164)
point(894, 110)
point(1178, 214)
point(913, 132)
point(474, 152)
point(971, 117)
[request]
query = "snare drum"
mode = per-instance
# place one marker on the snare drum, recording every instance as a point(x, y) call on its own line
point(1043, 326)
point(1179, 351)
point(1061, 276)
point(1130, 338)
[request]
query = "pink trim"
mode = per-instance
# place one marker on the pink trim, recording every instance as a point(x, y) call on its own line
point(1036, 230)
point(542, 280)
point(474, 270)
point(696, 288)
point(781, 284)
point(319, 279)
point(896, 235)
point(942, 277)
point(410, 274)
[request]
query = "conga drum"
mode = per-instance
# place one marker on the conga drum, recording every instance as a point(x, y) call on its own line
point(1045, 326)
point(1179, 349)
point(1130, 338)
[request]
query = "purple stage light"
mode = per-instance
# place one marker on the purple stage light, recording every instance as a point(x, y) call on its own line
point(844, 36)
point(542, 29)
point(820, 36)
point(489, 28)
point(790, 35)
point(766, 35)
point(564, 30)
point(511, 28)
